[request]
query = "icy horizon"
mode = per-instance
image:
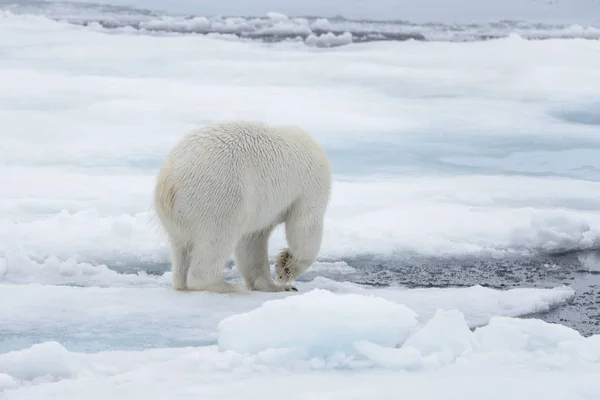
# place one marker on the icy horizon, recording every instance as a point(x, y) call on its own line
point(584, 12)
point(316, 28)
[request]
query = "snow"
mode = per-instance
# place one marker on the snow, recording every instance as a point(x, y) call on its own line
point(315, 322)
point(130, 311)
point(328, 39)
point(590, 262)
point(481, 149)
point(444, 349)
point(429, 182)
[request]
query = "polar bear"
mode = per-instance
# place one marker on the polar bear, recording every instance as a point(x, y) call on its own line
point(224, 188)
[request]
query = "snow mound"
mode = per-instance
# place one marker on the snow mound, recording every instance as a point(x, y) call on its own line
point(20, 269)
point(443, 339)
point(275, 16)
point(47, 362)
point(357, 327)
point(328, 330)
point(528, 335)
point(329, 39)
point(446, 339)
point(50, 361)
point(318, 322)
point(364, 344)
point(85, 234)
point(558, 232)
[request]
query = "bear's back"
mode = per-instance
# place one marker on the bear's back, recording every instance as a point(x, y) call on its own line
point(260, 151)
point(254, 168)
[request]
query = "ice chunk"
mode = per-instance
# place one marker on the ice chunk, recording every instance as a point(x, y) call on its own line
point(582, 349)
point(7, 382)
point(530, 335)
point(322, 23)
point(561, 232)
point(444, 338)
point(337, 267)
point(18, 268)
point(589, 262)
point(390, 358)
point(439, 342)
point(196, 24)
point(285, 28)
point(318, 322)
point(47, 361)
point(328, 39)
point(275, 16)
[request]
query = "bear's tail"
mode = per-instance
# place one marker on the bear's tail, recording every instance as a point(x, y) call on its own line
point(164, 195)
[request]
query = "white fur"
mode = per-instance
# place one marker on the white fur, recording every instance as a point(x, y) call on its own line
point(225, 187)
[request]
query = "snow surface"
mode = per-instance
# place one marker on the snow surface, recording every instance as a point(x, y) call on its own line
point(337, 344)
point(484, 149)
point(127, 313)
point(462, 149)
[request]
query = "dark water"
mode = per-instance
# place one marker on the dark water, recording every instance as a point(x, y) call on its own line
point(583, 314)
point(541, 271)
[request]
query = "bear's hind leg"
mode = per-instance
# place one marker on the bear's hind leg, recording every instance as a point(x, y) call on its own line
point(208, 258)
point(252, 259)
point(180, 264)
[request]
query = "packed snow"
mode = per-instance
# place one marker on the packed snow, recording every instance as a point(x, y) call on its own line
point(125, 312)
point(439, 149)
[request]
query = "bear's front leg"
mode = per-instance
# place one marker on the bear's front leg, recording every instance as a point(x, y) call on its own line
point(261, 285)
point(304, 233)
point(252, 259)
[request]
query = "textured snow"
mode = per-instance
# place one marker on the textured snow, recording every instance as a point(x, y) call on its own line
point(413, 131)
point(130, 311)
point(317, 322)
point(441, 348)
point(319, 29)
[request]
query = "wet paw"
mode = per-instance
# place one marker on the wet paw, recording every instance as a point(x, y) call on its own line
point(283, 266)
point(286, 288)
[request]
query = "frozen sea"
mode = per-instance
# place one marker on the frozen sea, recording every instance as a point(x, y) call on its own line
point(461, 253)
